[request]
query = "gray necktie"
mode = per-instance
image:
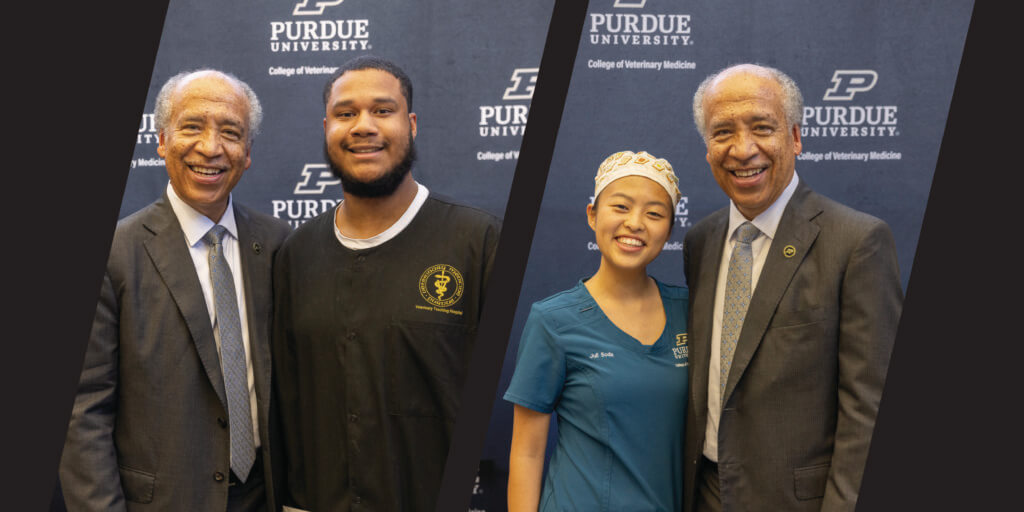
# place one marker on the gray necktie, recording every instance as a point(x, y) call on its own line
point(232, 355)
point(737, 297)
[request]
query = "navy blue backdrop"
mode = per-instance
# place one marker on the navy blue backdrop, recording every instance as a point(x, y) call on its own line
point(473, 70)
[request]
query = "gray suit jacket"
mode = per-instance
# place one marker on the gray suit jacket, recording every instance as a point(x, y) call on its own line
point(148, 430)
point(810, 363)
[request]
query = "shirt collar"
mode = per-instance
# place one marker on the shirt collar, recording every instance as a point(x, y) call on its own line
point(389, 233)
point(767, 221)
point(195, 224)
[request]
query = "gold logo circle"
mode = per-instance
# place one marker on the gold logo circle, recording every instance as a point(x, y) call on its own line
point(441, 285)
point(789, 251)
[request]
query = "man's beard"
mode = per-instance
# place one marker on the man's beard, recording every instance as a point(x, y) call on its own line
point(382, 186)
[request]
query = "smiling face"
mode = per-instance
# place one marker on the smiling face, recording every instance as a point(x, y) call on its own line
point(631, 219)
point(369, 132)
point(205, 143)
point(751, 147)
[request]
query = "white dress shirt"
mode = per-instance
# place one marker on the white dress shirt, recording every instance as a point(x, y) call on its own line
point(767, 222)
point(195, 225)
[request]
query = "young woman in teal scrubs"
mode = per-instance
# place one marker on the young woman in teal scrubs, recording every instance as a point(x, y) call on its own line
point(610, 358)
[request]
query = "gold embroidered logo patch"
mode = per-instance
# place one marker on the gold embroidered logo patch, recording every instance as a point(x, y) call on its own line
point(441, 285)
point(681, 351)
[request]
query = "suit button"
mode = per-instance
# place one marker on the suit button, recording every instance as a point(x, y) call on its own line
point(353, 418)
point(222, 422)
point(218, 476)
point(357, 500)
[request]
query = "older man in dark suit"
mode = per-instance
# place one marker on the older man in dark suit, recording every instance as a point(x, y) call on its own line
point(172, 407)
point(795, 301)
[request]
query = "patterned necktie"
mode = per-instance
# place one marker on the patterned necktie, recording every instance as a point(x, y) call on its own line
point(737, 297)
point(232, 355)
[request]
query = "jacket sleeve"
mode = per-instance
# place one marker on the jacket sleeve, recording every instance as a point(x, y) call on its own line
point(89, 474)
point(870, 305)
point(291, 485)
point(491, 238)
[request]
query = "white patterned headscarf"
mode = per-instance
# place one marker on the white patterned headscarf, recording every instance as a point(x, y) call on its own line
point(628, 163)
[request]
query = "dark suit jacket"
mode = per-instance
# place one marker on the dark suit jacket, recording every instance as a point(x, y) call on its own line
point(810, 363)
point(148, 430)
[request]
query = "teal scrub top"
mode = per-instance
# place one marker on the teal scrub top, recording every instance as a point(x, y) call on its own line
point(620, 405)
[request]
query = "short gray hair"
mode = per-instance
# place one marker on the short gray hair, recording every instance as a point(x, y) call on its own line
point(792, 100)
point(163, 107)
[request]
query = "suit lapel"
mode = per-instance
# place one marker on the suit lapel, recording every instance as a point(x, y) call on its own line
point(255, 270)
point(710, 253)
point(170, 255)
point(796, 230)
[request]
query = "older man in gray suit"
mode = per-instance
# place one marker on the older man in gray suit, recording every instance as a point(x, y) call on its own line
point(172, 407)
point(794, 304)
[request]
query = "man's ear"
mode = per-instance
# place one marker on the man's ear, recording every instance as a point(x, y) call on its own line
point(248, 155)
point(161, 148)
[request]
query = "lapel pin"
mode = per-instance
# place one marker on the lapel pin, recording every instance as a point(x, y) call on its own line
point(789, 251)
point(257, 248)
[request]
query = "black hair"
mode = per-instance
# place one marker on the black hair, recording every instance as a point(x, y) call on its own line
point(372, 62)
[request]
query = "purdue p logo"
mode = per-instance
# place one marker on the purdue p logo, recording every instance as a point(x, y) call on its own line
point(315, 177)
point(523, 82)
point(847, 82)
point(681, 351)
point(441, 285)
point(304, 9)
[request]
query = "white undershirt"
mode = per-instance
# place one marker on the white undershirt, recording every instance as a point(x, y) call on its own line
point(195, 225)
point(767, 222)
point(391, 231)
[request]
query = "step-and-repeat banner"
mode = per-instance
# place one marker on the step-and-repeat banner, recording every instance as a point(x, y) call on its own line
point(473, 69)
point(876, 76)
